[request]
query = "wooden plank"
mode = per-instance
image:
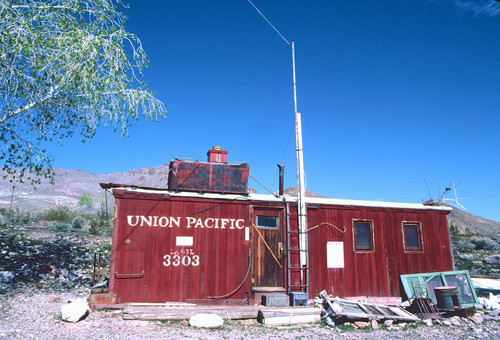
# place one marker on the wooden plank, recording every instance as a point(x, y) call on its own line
point(400, 314)
point(360, 305)
point(159, 313)
point(166, 304)
point(155, 312)
point(288, 317)
point(381, 311)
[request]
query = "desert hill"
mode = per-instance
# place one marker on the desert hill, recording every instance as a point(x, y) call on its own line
point(466, 223)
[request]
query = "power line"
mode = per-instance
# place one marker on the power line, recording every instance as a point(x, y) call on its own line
point(281, 35)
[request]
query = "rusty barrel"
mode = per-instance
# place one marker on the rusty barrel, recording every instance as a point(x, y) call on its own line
point(446, 296)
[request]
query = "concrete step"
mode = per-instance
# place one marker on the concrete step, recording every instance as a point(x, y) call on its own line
point(275, 300)
point(260, 292)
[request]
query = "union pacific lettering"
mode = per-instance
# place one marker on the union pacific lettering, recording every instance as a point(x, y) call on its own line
point(187, 222)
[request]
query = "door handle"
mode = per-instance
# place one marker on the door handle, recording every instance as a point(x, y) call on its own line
point(280, 250)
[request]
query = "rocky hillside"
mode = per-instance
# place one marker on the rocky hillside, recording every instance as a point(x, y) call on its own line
point(70, 184)
point(465, 223)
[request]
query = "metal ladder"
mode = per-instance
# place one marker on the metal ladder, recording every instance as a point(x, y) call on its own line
point(297, 276)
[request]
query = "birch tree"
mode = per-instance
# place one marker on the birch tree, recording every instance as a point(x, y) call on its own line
point(66, 67)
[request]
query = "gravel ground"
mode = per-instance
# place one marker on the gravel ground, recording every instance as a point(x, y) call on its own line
point(28, 313)
point(47, 270)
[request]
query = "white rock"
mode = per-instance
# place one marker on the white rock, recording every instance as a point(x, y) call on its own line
point(477, 319)
point(206, 320)
point(492, 259)
point(388, 323)
point(7, 277)
point(75, 310)
point(330, 322)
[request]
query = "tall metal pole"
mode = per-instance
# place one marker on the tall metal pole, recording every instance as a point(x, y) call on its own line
point(301, 204)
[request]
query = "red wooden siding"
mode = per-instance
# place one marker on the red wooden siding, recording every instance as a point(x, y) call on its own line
point(147, 264)
point(374, 273)
point(139, 272)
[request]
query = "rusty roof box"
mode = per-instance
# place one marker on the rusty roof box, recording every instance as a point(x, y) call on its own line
point(208, 177)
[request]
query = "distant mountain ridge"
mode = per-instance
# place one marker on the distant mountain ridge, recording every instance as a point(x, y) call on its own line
point(71, 184)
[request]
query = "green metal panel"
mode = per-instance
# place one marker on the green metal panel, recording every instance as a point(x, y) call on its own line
point(458, 278)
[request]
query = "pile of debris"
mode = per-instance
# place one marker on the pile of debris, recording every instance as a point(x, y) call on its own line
point(442, 304)
point(339, 311)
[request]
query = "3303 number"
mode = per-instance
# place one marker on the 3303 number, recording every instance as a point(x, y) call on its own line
point(178, 260)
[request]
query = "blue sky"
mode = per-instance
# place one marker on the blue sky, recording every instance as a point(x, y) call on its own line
point(391, 92)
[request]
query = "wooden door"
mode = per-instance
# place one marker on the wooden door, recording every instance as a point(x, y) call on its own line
point(130, 266)
point(268, 248)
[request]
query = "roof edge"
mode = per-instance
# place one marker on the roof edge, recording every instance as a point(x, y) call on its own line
point(272, 198)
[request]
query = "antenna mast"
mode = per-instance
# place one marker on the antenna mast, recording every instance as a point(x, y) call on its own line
point(301, 204)
point(443, 198)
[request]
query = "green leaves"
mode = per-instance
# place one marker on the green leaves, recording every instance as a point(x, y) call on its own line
point(66, 67)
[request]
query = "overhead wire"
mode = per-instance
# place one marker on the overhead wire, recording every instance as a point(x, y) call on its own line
point(289, 44)
point(263, 16)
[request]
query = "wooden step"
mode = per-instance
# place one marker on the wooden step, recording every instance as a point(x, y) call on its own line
point(266, 289)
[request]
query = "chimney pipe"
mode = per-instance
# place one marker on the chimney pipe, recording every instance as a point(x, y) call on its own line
point(217, 155)
point(282, 172)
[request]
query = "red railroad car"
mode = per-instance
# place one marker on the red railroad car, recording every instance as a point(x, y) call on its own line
point(174, 245)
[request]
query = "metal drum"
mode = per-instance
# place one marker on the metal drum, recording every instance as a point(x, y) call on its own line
point(446, 297)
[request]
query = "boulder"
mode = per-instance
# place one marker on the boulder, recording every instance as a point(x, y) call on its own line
point(455, 321)
point(54, 298)
point(493, 313)
point(361, 324)
point(206, 320)
point(7, 277)
point(75, 311)
point(329, 321)
point(477, 319)
point(491, 303)
point(374, 324)
point(492, 259)
point(388, 323)
point(467, 257)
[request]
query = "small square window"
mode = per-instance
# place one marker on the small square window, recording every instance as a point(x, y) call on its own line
point(267, 222)
point(363, 236)
point(412, 236)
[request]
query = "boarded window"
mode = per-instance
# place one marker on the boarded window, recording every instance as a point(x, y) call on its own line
point(363, 236)
point(267, 222)
point(412, 236)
